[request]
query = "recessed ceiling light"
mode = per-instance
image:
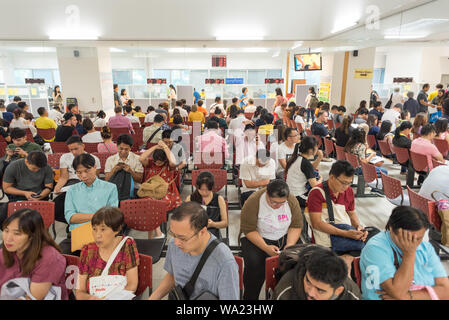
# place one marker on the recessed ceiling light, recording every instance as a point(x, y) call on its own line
point(116, 50)
point(79, 34)
point(255, 50)
point(39, 49)
point(238, 37)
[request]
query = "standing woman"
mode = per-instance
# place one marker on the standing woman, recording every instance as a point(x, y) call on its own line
point(57, 97)
point(124, 97)
point(279, 99)
point(172, 97)
point(28, 251)
point(310, 110)
point(214, 204)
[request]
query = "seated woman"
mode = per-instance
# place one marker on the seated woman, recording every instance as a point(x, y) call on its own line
point(107, 146)
point(372, 124)
point(299, 115)
point(402, 140)
point(175, 112)
point(343, 133)
point(163, 165)
point(420, 121)
point(357, 145)
point(28, 251)
point(214, 203)
point(402, 265)
point(100, 121)
point(424, 145)
point(441, 129)
point(301, 172)
point(19, 121)
point(179, 122)
point(107, 224)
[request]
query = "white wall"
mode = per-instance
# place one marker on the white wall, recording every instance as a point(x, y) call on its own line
point(380, 60)
point(403, 62)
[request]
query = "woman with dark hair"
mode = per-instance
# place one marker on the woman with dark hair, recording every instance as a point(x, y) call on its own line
point(172, 96)
point(385, 132)
point(124, 97)
point(424, 145)
point(57, 97)
point(420, 121)
point(162, 165)
point(279, 99)
point(362, 106)
point(402, 140)
point(92, 135)
point(100, 121)
point(258, 116)
point(212, 202)
point(79, 126)
point(343, 133)
point(19, 122)
point(403, 265)
point(300, 114)
point(107, 227)
point(28, 251)
point(441, 129)
point(310, 108)
point(232, 113)
point(372, 124)
point(107, 146)
point(301, 172)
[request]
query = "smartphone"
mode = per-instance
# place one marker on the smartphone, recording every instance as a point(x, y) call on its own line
point(36, 195)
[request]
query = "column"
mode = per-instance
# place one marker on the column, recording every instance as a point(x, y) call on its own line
point(87, 77)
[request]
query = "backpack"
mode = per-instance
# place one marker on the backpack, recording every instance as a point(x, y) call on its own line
point(125, 184)
point(313, 104)
point(288, 259)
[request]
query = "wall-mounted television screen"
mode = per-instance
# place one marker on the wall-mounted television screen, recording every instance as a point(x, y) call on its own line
point(308, 62)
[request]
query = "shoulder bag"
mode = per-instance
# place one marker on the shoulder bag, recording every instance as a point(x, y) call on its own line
point(104, 285)
point(155, 187)
point(180, 293)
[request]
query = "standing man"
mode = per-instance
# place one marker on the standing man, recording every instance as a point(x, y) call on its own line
point(423, 100)
point(117, 100)
point(196, 96)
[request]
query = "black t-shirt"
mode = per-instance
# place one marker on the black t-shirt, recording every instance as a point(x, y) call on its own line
point(307, 169)
point(402, 142)
point(63, 133)
point(341, 136)
point(446, 106)
point(319, 129)
point(377, 114)
point(422, 96)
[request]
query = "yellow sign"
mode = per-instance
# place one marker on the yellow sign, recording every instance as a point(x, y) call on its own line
point(363, 73)
point(325, 88)
point(2, 91)
point(33, 92)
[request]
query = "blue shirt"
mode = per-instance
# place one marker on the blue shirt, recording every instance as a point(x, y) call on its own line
point(243, 102)
point(83, 199)
point(319, 129)
point(377, 264)
point(197, 96)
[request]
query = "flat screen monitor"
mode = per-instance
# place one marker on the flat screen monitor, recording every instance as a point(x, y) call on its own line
point(308, 62)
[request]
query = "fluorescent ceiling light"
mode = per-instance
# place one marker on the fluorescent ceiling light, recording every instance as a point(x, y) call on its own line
point(39, 49)
point(116, 50)
point(404, 36)
point(238, 37)
point(343, 26)
point(182, 50)
point(276, 54)
point(297, 45)
point(317, 50)
point(77, 34)
point(255, 50)
point(413, 30)
point(219, 50)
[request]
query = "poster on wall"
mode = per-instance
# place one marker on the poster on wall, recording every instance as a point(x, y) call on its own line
point(363, 73)
point(325, 90)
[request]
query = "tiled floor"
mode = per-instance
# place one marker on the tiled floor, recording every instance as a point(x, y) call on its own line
point(371, 212)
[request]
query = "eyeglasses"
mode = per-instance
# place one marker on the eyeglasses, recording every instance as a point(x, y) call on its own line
point(294, 136)
point(345, 183)
point(276, 203)
point(171, 234)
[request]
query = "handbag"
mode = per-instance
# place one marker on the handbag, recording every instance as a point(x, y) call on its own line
point(104, 285)
point(180, 293)
point(389, 103)
point(155, 187)
point(340, 244)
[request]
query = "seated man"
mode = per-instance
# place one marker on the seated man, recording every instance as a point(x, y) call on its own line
point(67, 129)
point(44, 122)
point(256, 173)
point(120, 121)
point(267, 128)
point(340, 179)
point(218, 117)
point(318, 275)
point(128, 111)
point(67, 176)
point(168, 137)
point(219, 276)
point(397, 264)
point(212, 141)
point(318, 128)
point(362, 117)
point(29, 179)
point(19, 148)
point(153, 133)
point(86, 197)
point(124, 160)
point(271, 221)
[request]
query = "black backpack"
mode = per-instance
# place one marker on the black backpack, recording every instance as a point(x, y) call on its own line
point(125, 184)
point(288, 259)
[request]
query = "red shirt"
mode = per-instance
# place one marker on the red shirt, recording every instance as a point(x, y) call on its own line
point(316, 200)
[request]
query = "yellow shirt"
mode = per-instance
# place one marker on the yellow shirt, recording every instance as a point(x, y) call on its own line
point(139, 114)
point(432, 95)
point(266, 129)
point(45, 123)
point(196, 116)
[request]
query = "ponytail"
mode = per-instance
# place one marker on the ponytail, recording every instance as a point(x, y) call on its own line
point(305, 145)
point(294, 157)
point(397, 133)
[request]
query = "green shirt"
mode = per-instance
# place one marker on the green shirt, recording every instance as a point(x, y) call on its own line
point(27, 147)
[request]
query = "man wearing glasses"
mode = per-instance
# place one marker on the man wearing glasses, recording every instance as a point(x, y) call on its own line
point(271, 221)
point(340, 180)
point(219, 276)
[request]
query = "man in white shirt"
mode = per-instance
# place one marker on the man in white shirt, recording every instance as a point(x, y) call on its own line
point(256, 172)
point(182, 112)
point(397, 97)
point(68, 175)
point(56, 115)
point(393, 115)
point(250, 108)
point(280, 110)
point(128, 110)
point(218, 103)
point(151, 114)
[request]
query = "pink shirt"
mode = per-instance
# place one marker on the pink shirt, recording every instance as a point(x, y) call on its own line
point(210, 141)
point(120, 121)
point(107, 147)
point(427, 148)
point(50, 268)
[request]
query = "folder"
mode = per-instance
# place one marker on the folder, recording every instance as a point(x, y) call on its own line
point(81, 236)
